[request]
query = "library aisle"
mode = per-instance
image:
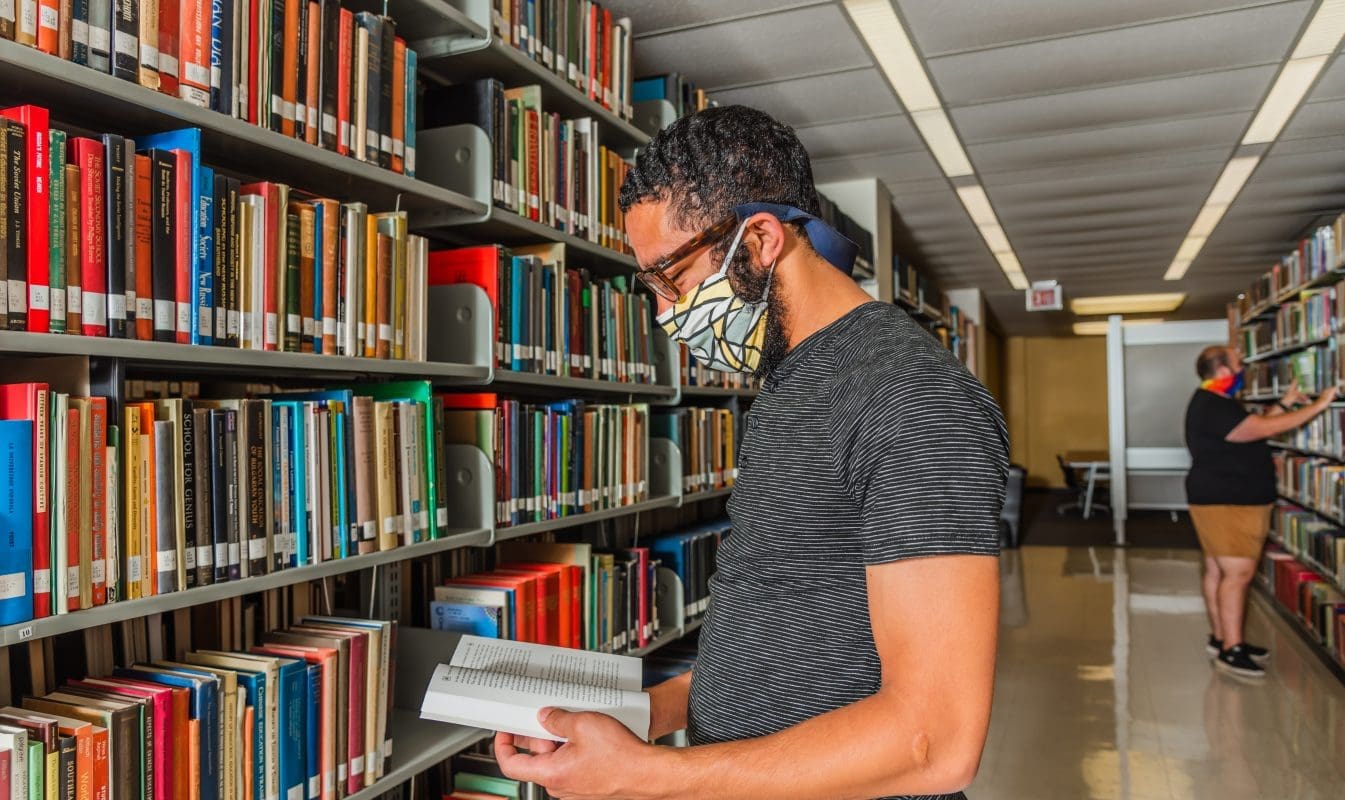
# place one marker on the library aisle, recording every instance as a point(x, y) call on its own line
point(1104, 691)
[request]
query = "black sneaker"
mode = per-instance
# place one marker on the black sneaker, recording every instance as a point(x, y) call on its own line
point(1236, 661)
point(1215, 646)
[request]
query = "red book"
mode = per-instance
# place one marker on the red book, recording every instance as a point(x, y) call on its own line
point(254, 63)
point(102, 785)
point(642, 592)
point(165, 734)
point(479, 266)
point(312, 92)
point(144, 264)
point(577, 607)
point(345, 46)
point(88, 154)
point(98, 432)
point(168, 46)
point(29, 401)
point(184, 289)
point(193, 77)
point(272, 217)
point(5, 757)
point(532, 619)
point(73, 482)
point(35, 119)
point(358, 688)
point(554, 582)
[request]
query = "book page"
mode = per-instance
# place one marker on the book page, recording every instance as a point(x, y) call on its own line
point(548, 663)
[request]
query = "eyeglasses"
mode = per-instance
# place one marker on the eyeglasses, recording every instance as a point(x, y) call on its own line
point(656, 279)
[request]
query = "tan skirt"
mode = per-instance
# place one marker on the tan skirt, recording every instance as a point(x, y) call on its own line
point(1231, 531)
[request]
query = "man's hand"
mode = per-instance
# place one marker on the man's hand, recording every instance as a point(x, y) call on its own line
point(1294, 397)
point(1327, 397)
point(602, 759)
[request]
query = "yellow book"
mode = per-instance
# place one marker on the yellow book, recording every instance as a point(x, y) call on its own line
point(131, 503)
point(385, 467)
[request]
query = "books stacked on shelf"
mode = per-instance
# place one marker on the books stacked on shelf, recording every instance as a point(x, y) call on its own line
point(1316, 483)
point(307, 709)
point(1315, 258)
point(676, 659)
point(691, 554)
point(1255, 340)
point(565, 595)
point(1312, 369)
point(335, 78)
point(962, 337)
point(138, 239)
point(1259, 381)
point(708, 441)
point(847, 227)
point(685, 96)
point(1324, 434)
point(477, 776)
point(579, 40)
point(554, 460)
point(550, 170)
point(554, 319)
point(1309, 597)
point(185, 493)
point(694, 374)
point(1307, 535)
point(1314, 315)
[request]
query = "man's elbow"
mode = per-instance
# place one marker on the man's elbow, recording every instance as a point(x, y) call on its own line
point(945, 770)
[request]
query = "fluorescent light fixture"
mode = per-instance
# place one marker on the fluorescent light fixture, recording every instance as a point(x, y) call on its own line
point(1157, 303)
point(1232, 179)
point(1190, 248)
point(892, 49)
point(977, 204)
point(1208, 219)
point(1284, 98)
point(943, 142)
point(1177, 269)
point(1098, 327)
point(1017, 280)
point(1324, 32)
point(994, 237)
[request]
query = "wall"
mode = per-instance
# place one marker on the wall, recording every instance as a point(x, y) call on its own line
point(1055, 400)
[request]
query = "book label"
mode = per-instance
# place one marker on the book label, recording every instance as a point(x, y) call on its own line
point(198, 74)
point(205, 556)
point(167, 560)
point(184, 317)
point(167, 63)
point(13, 586)
point(95, 311)
point(17, 291)
point(79, 30)
point(149, 55)
point(49, 17)
point(189, 556)
point(58, 302)
point(222, 554)
point(116, 305)
point(72, 581)
point(98, 570)
point(133, 568)
point(256, 549)
point(41, 581)
point(163, 314)
point(144, 307)
point(74, 299)
point(99, 39)
point(126, 46)
point(234, 551)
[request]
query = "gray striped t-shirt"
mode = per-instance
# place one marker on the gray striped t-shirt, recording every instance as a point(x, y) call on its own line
point(869, 443)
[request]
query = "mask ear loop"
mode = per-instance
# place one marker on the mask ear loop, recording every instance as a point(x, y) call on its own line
point(733, 248)
point(770, 276)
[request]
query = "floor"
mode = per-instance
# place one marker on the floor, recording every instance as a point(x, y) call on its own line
point(1104, 690)
point(1042, 524)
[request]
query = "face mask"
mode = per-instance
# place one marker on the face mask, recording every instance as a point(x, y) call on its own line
point(1227, 385)
point(721, 330)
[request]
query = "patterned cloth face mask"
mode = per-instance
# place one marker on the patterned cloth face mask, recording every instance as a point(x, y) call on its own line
point(722, 330)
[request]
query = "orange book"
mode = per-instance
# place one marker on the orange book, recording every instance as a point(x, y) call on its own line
point(149, 535)
point(144, 268)
point(48, 26)
point(554, 584)
point(194, 759)
point(330, 255)
point(383, 297)
point(102, 778)
point(194, 52)
point(370, 287)
point(313, 99)
point(289, 90)
point(83, 733)
point(399, 104)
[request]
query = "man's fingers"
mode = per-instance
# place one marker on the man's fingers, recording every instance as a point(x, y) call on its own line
point(517, 766)
point(558, 721)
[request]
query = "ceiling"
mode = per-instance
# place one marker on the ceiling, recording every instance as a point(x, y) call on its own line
point(1097, 128)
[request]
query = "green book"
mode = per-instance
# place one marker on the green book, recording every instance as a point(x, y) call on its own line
point(37, 768)
point(56, 250)
point(422, 394)
point(293, 319)
point(471, 782)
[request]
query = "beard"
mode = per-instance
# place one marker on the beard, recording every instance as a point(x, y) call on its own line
point(750, 284)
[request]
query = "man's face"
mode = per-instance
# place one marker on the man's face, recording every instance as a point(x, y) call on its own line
point(1234, 361)
point(653, 237)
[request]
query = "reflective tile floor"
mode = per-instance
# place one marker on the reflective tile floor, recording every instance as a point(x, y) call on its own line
point(1104, 690)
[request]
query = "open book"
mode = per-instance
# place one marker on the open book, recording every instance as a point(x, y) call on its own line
point(500, 685)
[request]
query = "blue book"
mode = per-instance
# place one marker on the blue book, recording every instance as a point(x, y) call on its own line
point(465, 618)
point(317, 277)
point(204, 707)
point(342, 498)
point(202, 273)
point(298, 477)
point(293, 705)
point(221, 61)
point(202, 319)
point(519, 304)
point(410, 106)
point(253, 685)
point(313, 739)
point(16, 516)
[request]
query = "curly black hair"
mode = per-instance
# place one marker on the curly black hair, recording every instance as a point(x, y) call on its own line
point(706, 163)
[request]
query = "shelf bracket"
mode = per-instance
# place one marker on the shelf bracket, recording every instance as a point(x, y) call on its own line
point(652, 116)
point(457, 158)
point(667, 367)
point(670, 601)
point(455, 41)
point(460, 327)
point(470, 493)
point(665, 469)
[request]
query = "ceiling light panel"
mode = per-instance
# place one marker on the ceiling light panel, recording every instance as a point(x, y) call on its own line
point(1157, 303)
point(1177, 269)
point(995, 239)
point(1232, 179)
point(1324, 32)
point(1099, 327)
point(886, 36)
point(1290, 87)
point(943, 142)
point(977, 204)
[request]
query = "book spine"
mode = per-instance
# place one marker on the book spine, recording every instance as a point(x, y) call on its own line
point(59, 235)
point(373, 87)
point(48, 26)
point(74, 297)
point(131, 244)
point(307, 275)
point(194, 52)
point(221, 56)
point(312, 72)
point(148, 69)
point(36, 215)
point(100, 35)
point(98, 495)
point(409, 162)
point(331, 290)
point(125, 30)
point(258, 473)
point(143, 169)
point(219, 237)
point(79, 32)
point(184, 263)
point(233, 264)
point(165, 245)
point(93, 272)
point(114, 233)
point(345, 58)
point(293, 324)
point(397, 102)
point(330, 70)
point(16, 514)
point(276, 78)
point(386, 52)
point(170, 32)
point(234, 515)
point(203, 266)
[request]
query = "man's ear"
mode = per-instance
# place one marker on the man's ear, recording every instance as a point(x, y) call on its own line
point(765, 239)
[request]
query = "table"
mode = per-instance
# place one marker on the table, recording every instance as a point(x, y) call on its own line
point(1095, 464)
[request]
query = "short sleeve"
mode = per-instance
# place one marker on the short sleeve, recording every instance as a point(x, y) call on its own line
point(926, 464)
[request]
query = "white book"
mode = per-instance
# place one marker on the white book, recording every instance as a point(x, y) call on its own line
point(501, 685)
point(16, 740)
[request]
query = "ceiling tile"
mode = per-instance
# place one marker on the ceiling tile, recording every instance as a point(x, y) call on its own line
point(819, 99)
point(1249, 37)
point(1124, 142)
point(650, 18)
point(854, 139)
point(1323, 118)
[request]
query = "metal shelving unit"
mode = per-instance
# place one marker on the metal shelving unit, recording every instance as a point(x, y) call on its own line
point(1287, 349)
point(546, 525)
point(716, 392)
point(418, 744)
point(509, 379)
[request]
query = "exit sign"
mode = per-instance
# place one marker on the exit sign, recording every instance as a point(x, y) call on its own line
point(1045, 296)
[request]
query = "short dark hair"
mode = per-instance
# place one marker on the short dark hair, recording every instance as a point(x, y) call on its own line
point(706, 163)
point(1210, 359)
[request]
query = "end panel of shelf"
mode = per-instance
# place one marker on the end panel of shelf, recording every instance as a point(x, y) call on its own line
point(84, 97)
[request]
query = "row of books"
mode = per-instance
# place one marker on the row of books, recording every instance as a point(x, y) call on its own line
point(1316, 314)
point(1313, 482)
point(1307, 535)
point(186, 493)
point(708, 441)
point(1312, 369)
point(1315, 256)
point(1313, 599)
point(556, 459)
point(554, 319)
point(696, 374)
point(547, 169)
point(310, 69)
point(575, 595)
point(685, 96)
point(1324, 434)
point(916, 289)
point(579, 40)
point(302, 715)
point(476, 775)
point(138, 239)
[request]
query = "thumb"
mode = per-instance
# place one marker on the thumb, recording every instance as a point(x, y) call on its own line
point(558, 721)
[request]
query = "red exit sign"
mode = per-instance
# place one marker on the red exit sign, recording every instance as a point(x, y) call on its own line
point(1045, 296)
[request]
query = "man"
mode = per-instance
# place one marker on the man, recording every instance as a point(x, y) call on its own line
point(850, 644)
point(1230, 489)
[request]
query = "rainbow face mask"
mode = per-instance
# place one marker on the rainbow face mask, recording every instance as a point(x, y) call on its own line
point(1226, 385)
point(722, 330)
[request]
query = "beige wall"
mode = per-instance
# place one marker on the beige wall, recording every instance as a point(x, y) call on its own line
point(1055, 399)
